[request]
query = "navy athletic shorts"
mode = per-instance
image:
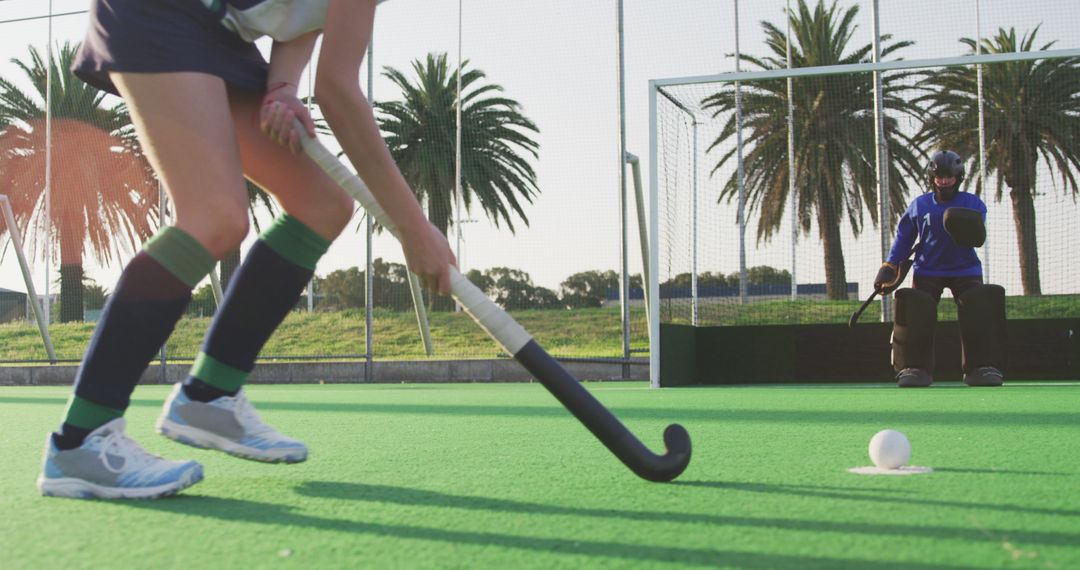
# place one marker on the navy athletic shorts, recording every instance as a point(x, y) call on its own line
point(159, 36)
point(937, 285)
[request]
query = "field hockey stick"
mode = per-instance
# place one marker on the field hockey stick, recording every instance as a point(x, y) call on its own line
point(904, 267)
point(516, 341)
point(855, 316)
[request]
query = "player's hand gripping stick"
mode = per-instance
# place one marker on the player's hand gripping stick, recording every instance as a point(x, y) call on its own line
point(905, 266)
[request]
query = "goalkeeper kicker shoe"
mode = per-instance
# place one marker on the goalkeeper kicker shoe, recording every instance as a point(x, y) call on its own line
point(914, 378)
point(229, 424)
point(110, 465)
point(984, 376)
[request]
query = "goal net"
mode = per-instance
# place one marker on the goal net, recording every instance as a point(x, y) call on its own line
point(771, 208)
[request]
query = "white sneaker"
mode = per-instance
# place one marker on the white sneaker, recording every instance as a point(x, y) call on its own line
point(228, 424)
point(110, 465)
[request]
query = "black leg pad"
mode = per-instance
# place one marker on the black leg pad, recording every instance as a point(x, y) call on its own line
point(913, 330)
point(981, 311)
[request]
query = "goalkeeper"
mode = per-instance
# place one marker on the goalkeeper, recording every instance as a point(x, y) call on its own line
point(949, 224)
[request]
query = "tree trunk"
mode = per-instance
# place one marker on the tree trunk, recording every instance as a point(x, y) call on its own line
point(1024, 217)
point(439, 215)
point(829, 229)
point(229, 265)
point(71, 293)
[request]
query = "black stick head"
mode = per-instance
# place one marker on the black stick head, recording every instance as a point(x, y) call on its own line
point(855, 316)
point(674, 462)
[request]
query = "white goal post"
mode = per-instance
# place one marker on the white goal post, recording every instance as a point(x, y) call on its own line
point(17, 245)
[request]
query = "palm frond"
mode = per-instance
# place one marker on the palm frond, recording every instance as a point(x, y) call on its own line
point(419, 128)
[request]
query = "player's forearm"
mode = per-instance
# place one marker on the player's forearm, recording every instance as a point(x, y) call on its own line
point(351, 118)
point(288, 60)
point(905, 239)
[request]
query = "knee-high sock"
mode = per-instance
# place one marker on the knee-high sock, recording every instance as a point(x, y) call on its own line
point(262, 292)
point(142, 311)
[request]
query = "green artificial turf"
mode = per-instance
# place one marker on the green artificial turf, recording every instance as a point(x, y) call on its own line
point(500, 476)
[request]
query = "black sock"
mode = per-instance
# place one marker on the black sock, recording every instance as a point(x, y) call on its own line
point(262, 292)
point(70, 437)
point(142, 311)
point(202, 392)
point(139, 316)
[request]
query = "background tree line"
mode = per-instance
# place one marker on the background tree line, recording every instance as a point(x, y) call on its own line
point(514, 288)
point(509, 288)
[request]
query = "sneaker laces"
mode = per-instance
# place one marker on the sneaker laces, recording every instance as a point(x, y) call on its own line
point(118, 443)
point(249, 418)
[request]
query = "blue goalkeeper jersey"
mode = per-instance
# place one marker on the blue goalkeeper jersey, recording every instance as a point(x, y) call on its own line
point(936, 255)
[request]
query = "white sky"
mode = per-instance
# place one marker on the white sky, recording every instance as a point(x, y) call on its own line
point(558, 59)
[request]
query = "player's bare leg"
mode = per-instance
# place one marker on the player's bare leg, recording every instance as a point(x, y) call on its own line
point(182, 124)
point(211, 409)
point(185, 127)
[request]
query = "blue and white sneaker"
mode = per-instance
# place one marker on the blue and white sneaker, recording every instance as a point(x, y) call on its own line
point(228, 424)
point(110, 465)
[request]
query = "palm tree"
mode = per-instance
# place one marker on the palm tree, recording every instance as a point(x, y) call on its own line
point(834, 134)
point(103, 189)
point(1031, 112)
point(420, 131)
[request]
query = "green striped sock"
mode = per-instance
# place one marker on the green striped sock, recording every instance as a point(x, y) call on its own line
point(148, 300)
point(263, 291)
point(181, 254)
point(218, 374)
point(294, 241)
point(88, 415)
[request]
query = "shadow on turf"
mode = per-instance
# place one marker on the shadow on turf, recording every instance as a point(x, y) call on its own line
point(996, 471)
point(872, 495)
point(422, 498)
point(252, 512)
point(553, 410)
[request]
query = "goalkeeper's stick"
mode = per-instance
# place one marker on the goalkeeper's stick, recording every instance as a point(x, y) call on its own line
point(905, 266)
point(516, 341)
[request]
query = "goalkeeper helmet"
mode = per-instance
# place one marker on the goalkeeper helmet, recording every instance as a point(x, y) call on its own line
point(946, 172)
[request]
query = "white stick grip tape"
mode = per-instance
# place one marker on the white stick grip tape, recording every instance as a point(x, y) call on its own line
point(500, 325)
point(345, 178)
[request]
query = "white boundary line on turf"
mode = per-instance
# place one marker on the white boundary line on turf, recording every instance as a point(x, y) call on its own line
point(905, 470)
point(880, 385)
point(605, 384)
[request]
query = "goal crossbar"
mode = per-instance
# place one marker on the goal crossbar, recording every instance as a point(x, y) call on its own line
point(865, 67)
